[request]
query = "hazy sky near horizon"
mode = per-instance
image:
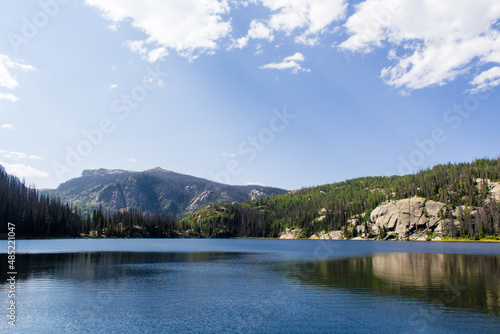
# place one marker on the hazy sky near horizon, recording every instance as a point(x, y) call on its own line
point(286, 93)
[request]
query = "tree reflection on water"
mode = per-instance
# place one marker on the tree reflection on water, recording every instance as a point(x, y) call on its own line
point(452, 280)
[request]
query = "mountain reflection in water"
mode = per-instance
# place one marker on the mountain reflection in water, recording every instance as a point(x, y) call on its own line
point(466, 281)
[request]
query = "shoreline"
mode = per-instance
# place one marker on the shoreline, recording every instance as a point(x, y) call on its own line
point(494, 239)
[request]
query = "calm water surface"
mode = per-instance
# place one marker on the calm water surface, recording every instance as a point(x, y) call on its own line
point(252, 286)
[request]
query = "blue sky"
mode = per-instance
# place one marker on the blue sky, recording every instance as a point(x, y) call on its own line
point(286, 93)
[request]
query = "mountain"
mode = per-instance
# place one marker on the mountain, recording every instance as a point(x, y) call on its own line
point(152, 191)
point(30, 213)
point(458, 200)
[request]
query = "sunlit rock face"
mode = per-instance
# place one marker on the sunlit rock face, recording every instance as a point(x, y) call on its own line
point(409, 216)
point(292, 234)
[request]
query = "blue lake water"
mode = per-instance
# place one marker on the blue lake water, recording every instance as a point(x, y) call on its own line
point(252, 286)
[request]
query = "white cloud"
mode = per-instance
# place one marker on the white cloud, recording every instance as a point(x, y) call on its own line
point(18, 155)
point(157, 54)
point(7, 126)
point(113, 27)
point(151, 55)
point(232, 155)
point(8, 79)
point(431, 43)
point(190, 27)
point(311, 17)
point(137, 47)
point(290, 62)
point(113, 86)
point(240, 43)
point(132, 160)
point(9, 97)
point(258, 30)
point(194, 27)
point(21, 170)
point(486, 79)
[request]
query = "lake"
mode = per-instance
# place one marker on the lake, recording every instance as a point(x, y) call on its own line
point(252, 286)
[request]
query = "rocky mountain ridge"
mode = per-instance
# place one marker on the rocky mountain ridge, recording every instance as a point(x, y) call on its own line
point(155, 190)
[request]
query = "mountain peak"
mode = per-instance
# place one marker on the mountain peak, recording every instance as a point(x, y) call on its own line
point(102, 172)
point(152, 191)
point(158, 170)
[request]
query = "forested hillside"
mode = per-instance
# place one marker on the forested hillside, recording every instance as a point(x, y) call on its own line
point(41, 216)
point(463, 188)
point(330, 207)
point(31, 213)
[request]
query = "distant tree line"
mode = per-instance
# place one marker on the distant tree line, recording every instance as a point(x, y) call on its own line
point(40, 216)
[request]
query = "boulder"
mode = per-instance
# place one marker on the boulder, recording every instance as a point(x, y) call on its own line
point(392, 222)
point(408, 217)
point(323, 235)
point(433, 208)
point(381, 211)
point(493, 188)
point(292, 234)
point(433, 222)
